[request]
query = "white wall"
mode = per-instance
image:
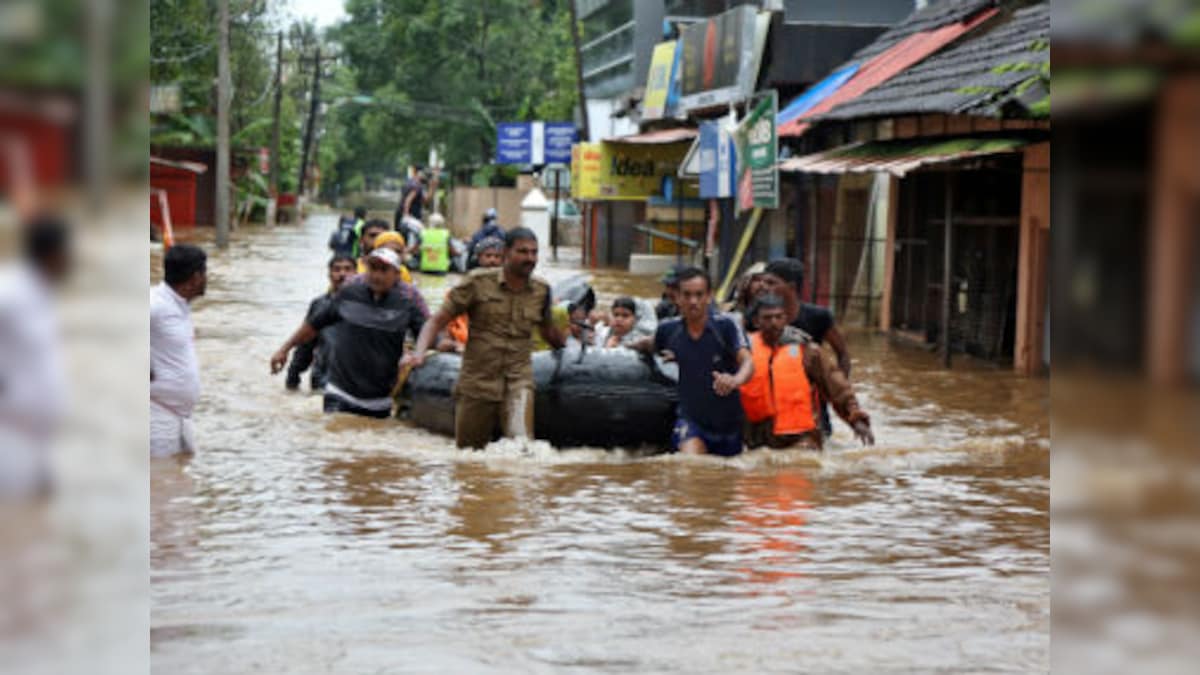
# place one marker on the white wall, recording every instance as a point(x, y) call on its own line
point(601, 123)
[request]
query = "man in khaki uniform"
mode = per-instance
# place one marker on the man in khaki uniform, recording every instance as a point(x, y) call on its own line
point(504, 305)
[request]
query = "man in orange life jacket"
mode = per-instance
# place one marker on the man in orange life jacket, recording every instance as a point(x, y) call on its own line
point(792, 375)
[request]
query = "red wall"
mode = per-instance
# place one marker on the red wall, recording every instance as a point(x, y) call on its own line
point(180, 185)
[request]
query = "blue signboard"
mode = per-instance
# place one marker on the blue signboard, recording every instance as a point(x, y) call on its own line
point(514, 143)
point(717, 160)
point(534, 142)
point(560, 136)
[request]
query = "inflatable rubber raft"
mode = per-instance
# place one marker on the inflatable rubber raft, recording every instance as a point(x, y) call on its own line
point(591, 397)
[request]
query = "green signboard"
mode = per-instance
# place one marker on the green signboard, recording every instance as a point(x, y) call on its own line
point(758, 154)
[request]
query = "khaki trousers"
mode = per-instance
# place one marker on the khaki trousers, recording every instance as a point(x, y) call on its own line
point(476, 420)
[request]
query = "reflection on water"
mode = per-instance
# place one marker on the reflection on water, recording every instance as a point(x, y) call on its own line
point(297, 542)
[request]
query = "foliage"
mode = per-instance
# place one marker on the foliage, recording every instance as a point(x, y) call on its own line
point(407, 75)
point(442, 73)
point(183, 38)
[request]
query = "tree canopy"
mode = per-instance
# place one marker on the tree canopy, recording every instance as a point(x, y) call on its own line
point(429, 73)
point(399, 77)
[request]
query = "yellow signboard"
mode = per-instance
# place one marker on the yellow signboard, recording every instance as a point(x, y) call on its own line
point(621, 171)
point(658, 82)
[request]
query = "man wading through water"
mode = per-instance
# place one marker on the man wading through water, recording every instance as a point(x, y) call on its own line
point(504, 305)
point(373, 319)
point(714, 361)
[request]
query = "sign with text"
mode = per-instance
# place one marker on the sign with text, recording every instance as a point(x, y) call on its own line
point(758, 154)
point(534, 142)
point(559, 137)
point(661, 82)
point(619, 171)
point(717, 161)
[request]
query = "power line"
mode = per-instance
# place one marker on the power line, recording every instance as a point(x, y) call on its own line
point(194, 54)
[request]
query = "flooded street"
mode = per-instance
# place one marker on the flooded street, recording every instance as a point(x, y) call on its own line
point(304, 543)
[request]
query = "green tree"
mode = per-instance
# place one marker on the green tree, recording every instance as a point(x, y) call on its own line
point(442, 73)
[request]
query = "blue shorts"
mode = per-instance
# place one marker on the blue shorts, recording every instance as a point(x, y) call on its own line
point(726, 445)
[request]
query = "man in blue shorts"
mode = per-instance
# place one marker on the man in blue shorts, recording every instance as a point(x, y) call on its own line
point(714, 360)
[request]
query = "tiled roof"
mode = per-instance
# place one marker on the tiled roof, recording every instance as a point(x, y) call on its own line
point(934, 15)
point(886, 66)
point(1007, 62)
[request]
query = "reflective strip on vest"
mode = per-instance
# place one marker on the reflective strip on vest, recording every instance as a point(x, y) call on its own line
point(435, 250)
point(779, 388)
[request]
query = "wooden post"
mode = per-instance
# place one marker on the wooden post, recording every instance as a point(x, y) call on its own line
point(1031, 261)
point(947, 264)
point(223, 96)
point(814, 272)
point(1172, 234)
point(889, 254)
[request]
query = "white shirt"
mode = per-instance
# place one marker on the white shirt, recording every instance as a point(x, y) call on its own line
point(176, 383)
point(33, 389)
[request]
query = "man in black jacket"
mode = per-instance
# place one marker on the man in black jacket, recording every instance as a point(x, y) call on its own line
point(315, 353)
point(373, 319)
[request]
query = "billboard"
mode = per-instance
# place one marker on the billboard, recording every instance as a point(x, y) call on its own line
point(720, 58)
point(662, 84)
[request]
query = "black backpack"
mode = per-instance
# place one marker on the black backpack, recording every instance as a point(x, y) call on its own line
point(342, 240)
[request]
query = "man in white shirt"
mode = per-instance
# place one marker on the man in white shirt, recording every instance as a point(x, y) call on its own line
point(174, 371)
point(33, 389)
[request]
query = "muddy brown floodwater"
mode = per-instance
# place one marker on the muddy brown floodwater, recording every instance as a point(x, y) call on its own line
point(302, 543)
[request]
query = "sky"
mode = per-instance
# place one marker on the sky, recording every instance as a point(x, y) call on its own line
point(325, 12)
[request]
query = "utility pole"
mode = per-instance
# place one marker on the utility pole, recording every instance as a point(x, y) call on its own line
point(583, 113)
point(273, 191)
point(312, 122)
point(97, 101)
point(223, 96)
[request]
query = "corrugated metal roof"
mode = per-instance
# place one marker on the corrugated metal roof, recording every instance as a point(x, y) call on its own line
point(662, 136)
point(1002, 62)
point(886, 65)
point(898, 157)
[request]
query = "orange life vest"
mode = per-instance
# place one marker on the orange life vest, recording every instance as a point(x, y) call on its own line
point(779, 388)
point(458, 329)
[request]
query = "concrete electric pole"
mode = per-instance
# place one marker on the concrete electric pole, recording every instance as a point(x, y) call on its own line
point(223, 96)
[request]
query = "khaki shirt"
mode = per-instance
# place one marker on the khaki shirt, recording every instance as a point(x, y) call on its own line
point(497, 356)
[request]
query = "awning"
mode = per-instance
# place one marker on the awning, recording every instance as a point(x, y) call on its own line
point(886, 65)
point(194, 167)
point(815, 94)
point(899, 157)
point(660, 137)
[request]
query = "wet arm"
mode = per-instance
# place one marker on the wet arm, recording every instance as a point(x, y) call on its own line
point(745, 367)
point(838, 342)
point(408, 203)
point(302, 359)
point(303, 334)
point(644, 345)
point(552, 335)
point(832, 384)
point(436, 324)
